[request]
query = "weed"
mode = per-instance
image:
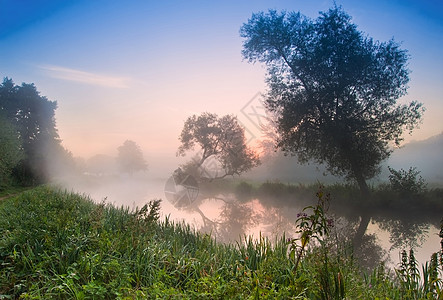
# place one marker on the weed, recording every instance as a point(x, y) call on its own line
point(59, 245)
point(416, 285)
point(313, 226)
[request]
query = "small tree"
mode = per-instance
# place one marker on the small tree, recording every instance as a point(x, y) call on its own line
point(220, 138)
point(333, 91)
point(130, 158)
point(406, 183)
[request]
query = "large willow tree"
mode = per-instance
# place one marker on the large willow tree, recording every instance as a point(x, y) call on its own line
point(333, 91)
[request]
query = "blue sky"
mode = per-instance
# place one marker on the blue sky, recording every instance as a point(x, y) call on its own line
point(137, 69)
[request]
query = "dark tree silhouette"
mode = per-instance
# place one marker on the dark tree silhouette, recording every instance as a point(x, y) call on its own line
point(220, 138)
point(33, 116)
point(333, 92)
point(407, 183)
point(130, 158)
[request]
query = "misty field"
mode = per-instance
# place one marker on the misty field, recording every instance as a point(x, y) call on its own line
point(56, 244)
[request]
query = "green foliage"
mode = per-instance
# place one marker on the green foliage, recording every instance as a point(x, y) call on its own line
point(149, 213)
point(59, 245)
point(10, 151)
point(407, 184)
point(243, 191)
point(333, 92)
point(332, 89)
point(406, 217)
point(33, 119)
point(441, 242)
point(416, 285)
point(313, 226)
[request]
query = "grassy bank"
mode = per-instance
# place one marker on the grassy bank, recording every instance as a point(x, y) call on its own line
point(11, 191)
point(56, 244)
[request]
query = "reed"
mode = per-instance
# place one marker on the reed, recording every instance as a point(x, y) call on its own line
point(55, 244)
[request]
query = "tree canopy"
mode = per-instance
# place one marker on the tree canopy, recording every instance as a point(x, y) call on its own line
point(333, 92)
point(130, 158)
point(33, 118)
point(220, 138)
point(332, 89)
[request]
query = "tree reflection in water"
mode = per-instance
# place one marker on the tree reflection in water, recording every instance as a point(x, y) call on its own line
point(229, 218)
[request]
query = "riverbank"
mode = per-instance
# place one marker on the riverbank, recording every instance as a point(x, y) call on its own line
point(57, 244)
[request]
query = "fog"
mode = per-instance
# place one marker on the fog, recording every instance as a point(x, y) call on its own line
point(222, 209)
point(228, 214)
point(135, 71)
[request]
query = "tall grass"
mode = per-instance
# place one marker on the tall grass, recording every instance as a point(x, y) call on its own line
point(58, 245)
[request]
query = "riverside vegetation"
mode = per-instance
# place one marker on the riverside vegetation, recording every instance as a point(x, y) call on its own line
point(58, 244)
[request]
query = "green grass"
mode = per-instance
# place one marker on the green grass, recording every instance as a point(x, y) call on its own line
point(12, 190)
point(60, 245)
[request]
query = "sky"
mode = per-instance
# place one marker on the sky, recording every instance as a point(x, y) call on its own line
point(137, 69)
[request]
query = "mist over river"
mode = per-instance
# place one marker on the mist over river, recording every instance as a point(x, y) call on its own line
point(226, 217)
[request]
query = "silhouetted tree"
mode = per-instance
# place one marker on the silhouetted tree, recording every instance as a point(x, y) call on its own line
point(221, 139)
point(407, 184)
point(130, 158)
point(333, 91)
point(33, 116)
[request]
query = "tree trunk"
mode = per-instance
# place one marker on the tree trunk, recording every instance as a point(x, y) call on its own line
point(365, 216)
point(358, 237)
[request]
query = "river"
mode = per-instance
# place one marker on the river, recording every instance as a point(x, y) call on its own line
point(225, 217)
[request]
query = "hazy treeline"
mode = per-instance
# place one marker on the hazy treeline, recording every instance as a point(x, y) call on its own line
point(29, 136)
point(31, 149)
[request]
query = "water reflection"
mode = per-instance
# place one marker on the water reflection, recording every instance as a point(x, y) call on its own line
point(228, 219)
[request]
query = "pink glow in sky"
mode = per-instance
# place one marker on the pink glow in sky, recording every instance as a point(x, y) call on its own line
point(137, 69)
